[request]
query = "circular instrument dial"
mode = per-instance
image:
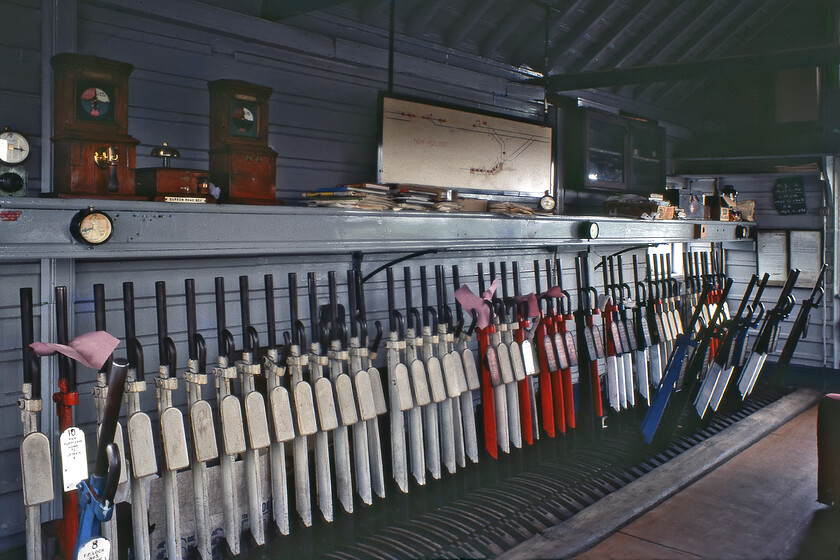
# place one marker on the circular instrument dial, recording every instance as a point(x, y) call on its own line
point(547, 203)
point(14, 147)
point(95, 102)
point(92, 227)
point(243, 119)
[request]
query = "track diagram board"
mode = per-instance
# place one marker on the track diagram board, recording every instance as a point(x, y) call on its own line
point(438, 146)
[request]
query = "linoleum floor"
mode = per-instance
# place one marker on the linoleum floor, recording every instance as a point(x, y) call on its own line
point(761, 504)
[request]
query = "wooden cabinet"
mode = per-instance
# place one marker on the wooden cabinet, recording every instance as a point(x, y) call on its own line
point(614, 153)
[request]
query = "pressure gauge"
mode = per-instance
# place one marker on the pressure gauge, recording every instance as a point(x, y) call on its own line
point(14, 147)
point(547, 203)
point(92, 227)
point(589, 230)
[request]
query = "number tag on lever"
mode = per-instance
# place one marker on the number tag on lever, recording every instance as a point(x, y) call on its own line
point(74, 467)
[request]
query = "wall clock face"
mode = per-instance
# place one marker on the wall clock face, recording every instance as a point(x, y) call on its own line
point(14, 147)
point(94, 102)
point(244, 118)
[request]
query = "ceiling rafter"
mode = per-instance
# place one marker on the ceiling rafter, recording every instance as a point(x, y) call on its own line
point(772, 8)
point(679, 18)
point(459, 30)
point(373, 10)
point(689, 25)
point(580, 28)
point(276, 10)
point(694, 69)
point(556, 26)
point(617, 28)
point(722, 27)
point(513, 20)
point(422, 15)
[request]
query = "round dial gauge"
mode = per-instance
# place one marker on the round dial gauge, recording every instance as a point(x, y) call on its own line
point(243, 119)
point(589, 230)
point(14, 147)
point(95, 102)
point(547, 203)
point(92, 227)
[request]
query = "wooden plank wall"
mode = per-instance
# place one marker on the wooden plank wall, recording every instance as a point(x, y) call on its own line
point(323, 124)
point(817, 349)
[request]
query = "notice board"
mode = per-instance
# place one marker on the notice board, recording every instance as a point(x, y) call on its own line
point(789, 195)
point(427, 144)
point(781, 251)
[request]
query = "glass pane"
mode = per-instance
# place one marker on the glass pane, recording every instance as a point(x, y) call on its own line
point(606, 152)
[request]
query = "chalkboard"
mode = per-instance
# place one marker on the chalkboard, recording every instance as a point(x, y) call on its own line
point(789, 195)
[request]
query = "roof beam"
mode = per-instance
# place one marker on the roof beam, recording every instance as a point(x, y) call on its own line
point(521, 50)
point(720, 27)
point(280, 9)
point(422, 16)
point(461, 28)
point(669, 72)
point(687, 32)
point(616, 29)
point(681, 91)
point(593, 14)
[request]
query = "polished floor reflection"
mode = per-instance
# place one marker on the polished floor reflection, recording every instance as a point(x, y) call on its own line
point(761, 504)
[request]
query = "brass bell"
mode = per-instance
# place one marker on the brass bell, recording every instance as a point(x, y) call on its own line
point(166, 152)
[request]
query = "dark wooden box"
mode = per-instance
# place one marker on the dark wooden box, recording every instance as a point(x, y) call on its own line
point(247, 176)
point(169, 181)
point(76, 174)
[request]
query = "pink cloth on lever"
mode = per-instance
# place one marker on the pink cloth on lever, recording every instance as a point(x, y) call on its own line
point(480, 305)
point(553, 293)
point(90, 349)
point(531, 300)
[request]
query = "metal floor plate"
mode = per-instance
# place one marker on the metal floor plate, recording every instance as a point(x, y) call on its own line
point(488, 508)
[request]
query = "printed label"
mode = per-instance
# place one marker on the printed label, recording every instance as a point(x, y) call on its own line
point(660, 329)
point(74, 467)
point(616, 338)
point(590, 344)
point(549, 353)
point(628, 337)
point(571, 348)
point(98, 548)
point(492, 361)
point(561, 351)
point(599, 342)
point(645, 331)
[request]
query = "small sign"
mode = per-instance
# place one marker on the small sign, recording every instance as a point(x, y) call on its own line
point(789, 195)
point(571, 349)
point(492, 361)
point(562, 360)
point(551, 362)
point(628, 337)
point(646, 341)
point(98, 548)
point(599, 342)
point(616, 338)
point(74, 468)
point(528, 357)
point(590, 344)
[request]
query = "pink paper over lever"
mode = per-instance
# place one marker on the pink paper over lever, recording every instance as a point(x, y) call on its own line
point(90, 349)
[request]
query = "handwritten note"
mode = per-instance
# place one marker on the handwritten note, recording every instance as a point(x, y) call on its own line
point(789, 195)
